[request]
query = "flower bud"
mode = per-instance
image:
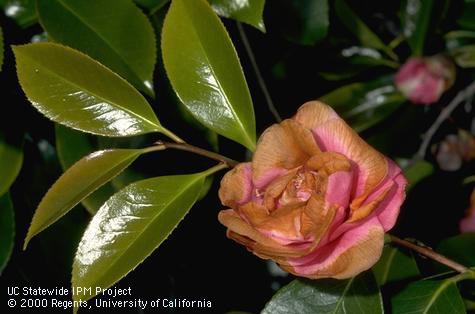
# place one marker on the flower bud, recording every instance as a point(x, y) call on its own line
point(424, 80)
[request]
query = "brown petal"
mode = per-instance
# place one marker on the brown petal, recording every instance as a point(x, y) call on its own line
point(317, 218)
point(282, 146)
point(236, 185)
point(314, 113)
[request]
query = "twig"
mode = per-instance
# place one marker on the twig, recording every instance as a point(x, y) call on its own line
point(196, 150)
point(255, 67)
point(444, 114)
point(430, 254)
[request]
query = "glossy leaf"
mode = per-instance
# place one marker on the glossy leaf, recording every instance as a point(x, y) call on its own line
point(11, 159)
point(7, 230)
point(1, 49)
point(394, 265)
point(72, 89)
point(355, 25)
point(23, 12)
point(356, 295)
point(365, 104)
point(304, 22)
point(415, 20)
point(114, 32)
point(417, 172)
point(429, 297)
point(79, 181)
point(205, 72)
point(459, 248)
point(364, 56)
point(132, 223)
point(71, 146)
point(247, 11)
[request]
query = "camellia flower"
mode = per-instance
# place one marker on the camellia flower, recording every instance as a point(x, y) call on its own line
point(316, 198)
point(423, 80)
point(467, 224)
point(455, 149)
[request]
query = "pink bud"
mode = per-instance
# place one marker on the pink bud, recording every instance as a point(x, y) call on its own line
point(423, 80)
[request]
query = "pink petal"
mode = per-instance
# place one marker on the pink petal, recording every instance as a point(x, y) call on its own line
point(339, 188)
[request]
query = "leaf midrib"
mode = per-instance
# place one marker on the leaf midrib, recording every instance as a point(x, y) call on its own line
point(389, 263)
point(436, 294)
point(99, 35)
point(343, 294)
point(224, 93)
point(156, 126)
point(139, 234)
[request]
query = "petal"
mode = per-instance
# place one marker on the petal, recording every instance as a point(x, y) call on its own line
point(369, 165)
point(354, 252)
point(314, 113)
point(236, 186)
point(339, 188)
point(281, 147)
point(467, 224)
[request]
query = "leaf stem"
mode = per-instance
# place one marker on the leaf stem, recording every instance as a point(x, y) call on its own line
point(257, 71)
point(193, 149)
point(171, 135)
point(444, 114)
point(431, 254)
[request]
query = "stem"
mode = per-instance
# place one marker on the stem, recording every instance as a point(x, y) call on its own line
point(255, 67)
point(196, 150)
point(444, 114)
point(216, 168)
point(171, 135)
point(430, 254)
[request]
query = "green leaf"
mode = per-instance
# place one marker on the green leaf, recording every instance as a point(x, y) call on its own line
point(356, 295)
point(132, 223)
point(304, 22)
point(247, 11)
point(7, 230)
point(83, 178)
point(355, 25)
point(417, 172)
point(365, 104)
point(72, 89)
point(364, 56)
point(114, 32)
point(1, 49)
point(394, 265)
point(23, 12)
point(415, 20)
point(459, 248)
point(429, 297)
point(71, 146)
point(11, 159)
point(205, 72)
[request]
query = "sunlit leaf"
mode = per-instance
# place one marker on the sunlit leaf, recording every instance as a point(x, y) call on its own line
point(205, 72)
point(365, 104)
point(394, 265)
point(71, 146)
point(23, 12)
point(7, 230)
point(429, 297)
point(132, 223)
point(79, 181)
point(114, 32)
point(356, 25)
point(11, 159)
point(247, 11)
point(356, 295)
point(72, 89)
point(415, 20)
point(304, 22)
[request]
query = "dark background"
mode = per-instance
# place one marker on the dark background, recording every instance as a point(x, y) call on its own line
point(197, 261)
